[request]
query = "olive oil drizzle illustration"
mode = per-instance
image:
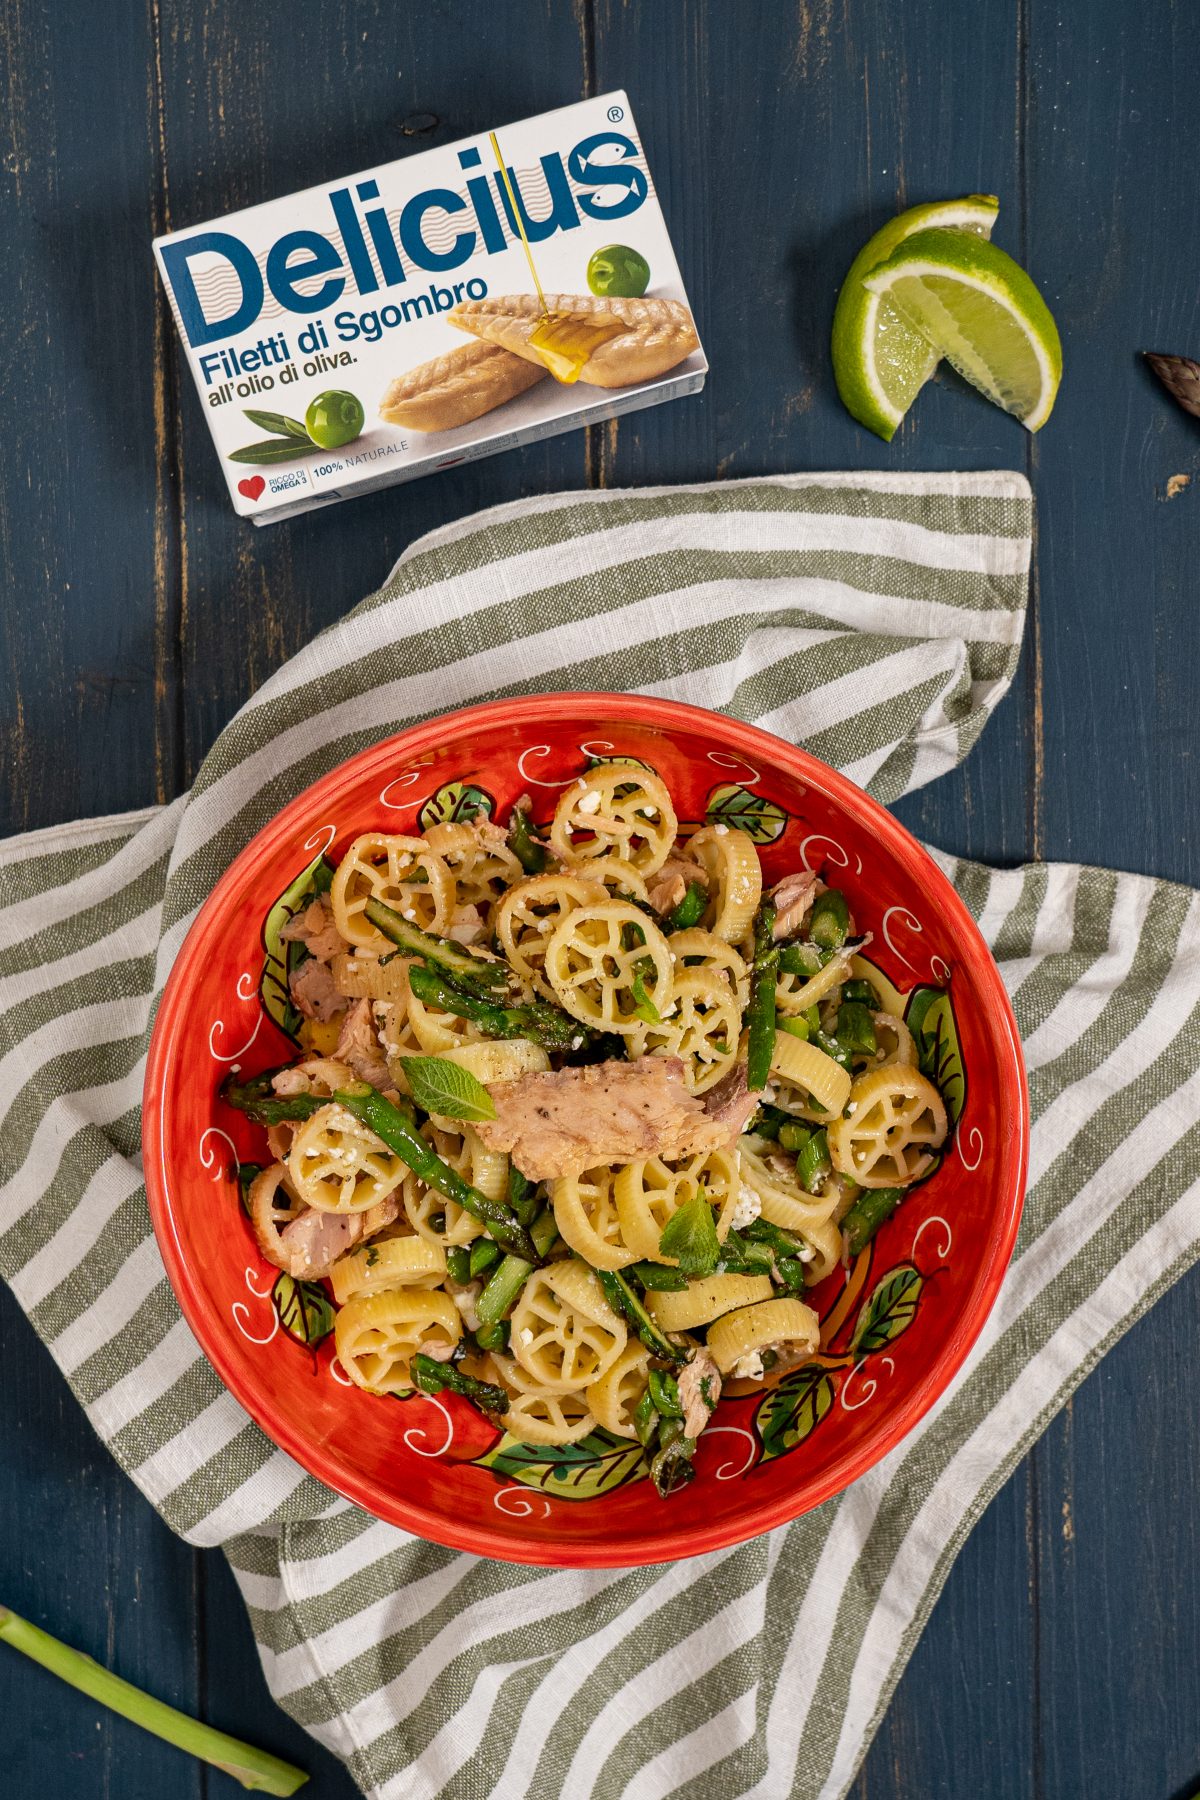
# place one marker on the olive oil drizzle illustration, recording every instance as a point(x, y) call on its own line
point(563, 341)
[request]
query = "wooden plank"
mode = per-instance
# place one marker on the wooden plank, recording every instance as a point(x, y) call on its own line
point(962, 1721)
point(781, 138)
point(260, 103)
point(87, 711)
point(1118, 1550)
point(236, 1696)
point(86, 1558)
point(1114, 213)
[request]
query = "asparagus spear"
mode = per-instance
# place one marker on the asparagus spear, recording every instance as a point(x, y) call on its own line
point(431, 1376)
point(531, 855)
point(690, 910)
point(760, 1012)
point(259, 1102)
point(540, 1021)
point(470, 972)
point(389, 1124)
point(507, 1281)
point(622, 1298)
point(868, 1213)
point(254, 1769)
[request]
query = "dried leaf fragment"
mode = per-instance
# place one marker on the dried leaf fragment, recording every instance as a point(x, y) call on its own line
point(1181, 378)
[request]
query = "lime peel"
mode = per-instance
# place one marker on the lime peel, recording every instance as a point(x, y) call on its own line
point(880, 362)
point(980, 310)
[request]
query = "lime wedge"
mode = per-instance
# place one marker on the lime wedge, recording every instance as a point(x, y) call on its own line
point(978, 308)
point(879, 361)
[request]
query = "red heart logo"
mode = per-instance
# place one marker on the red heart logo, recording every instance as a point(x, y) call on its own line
point(252, 487)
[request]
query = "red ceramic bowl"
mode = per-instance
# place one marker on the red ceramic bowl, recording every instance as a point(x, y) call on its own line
point(895, 1329)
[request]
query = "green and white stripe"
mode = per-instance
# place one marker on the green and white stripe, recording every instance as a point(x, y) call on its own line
point(877, 620)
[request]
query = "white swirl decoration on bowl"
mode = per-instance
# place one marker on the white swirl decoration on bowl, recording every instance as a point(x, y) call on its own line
point(519, 1503)
point(724, 760)
point(247, 989)
point(209, 1158)
point(241, 1312)
point(731, 1469)
point(840, 860)
point(870, 1386)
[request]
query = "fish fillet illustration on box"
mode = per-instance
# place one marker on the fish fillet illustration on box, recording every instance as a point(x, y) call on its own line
point(434, 310)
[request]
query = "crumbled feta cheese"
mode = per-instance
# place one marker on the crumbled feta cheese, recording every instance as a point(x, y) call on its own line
point(410, 913)
point(748, 1208)
point(590, 802)
point(577, 1042)
point(721, 830)
point(650, 812)
point(749, 1367)
point(526, 1337)
point(464, 1299)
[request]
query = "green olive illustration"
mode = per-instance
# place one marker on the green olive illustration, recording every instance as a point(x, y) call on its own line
point(334, 418)
point(619, 271)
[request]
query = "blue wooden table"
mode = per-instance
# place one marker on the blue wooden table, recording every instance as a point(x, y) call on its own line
point(1064, 1656)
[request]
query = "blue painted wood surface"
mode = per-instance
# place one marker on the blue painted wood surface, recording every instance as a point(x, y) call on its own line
point(1063, 1658)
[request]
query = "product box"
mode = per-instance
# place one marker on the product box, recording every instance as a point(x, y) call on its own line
point(395, 322)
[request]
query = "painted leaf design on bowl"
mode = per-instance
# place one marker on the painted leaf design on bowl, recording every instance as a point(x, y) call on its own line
point(931, 1020)
point(889, 1310)
point(761, 819)
point(455, 803)
point(595, 1465)
point(304, 1309)
point(281, 958)
point(791, 1412)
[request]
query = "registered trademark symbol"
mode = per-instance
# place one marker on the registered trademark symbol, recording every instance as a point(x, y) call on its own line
point(615, 113)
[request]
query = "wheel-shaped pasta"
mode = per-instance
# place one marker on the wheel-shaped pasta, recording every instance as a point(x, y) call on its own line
point(586, 1215)
point(435, 1030)
point(337, 1165)
point(377, 1335)
point(545, 1418)
point(894, 1044)
point(616, 807)
point(273, 1204)
point(605, 962)
point(404, 873)
point(894, 1122)
point(796, 993)
point(529, 913)
point(479, 859)
point(703, 1025)
point(800, 1072)
point(706, 1299)
point(564, 1332)
point(703, 951)
point(648, 1194)
point(319, 1075)
point(617, 877)
point(787, 1327)
point(394, 1262)
point(434, 1217)
point(613, 1397)
point(730, 860)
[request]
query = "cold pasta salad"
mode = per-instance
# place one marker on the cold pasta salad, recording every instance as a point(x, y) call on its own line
point(582, 1110)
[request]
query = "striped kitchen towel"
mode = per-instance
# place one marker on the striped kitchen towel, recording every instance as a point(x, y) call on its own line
point(875, 619)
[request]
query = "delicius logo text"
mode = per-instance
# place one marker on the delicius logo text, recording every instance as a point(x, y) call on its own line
point(600, 179)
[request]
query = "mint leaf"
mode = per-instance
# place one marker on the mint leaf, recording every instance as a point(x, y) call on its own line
point(443, 1087)
point(690, 1236)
